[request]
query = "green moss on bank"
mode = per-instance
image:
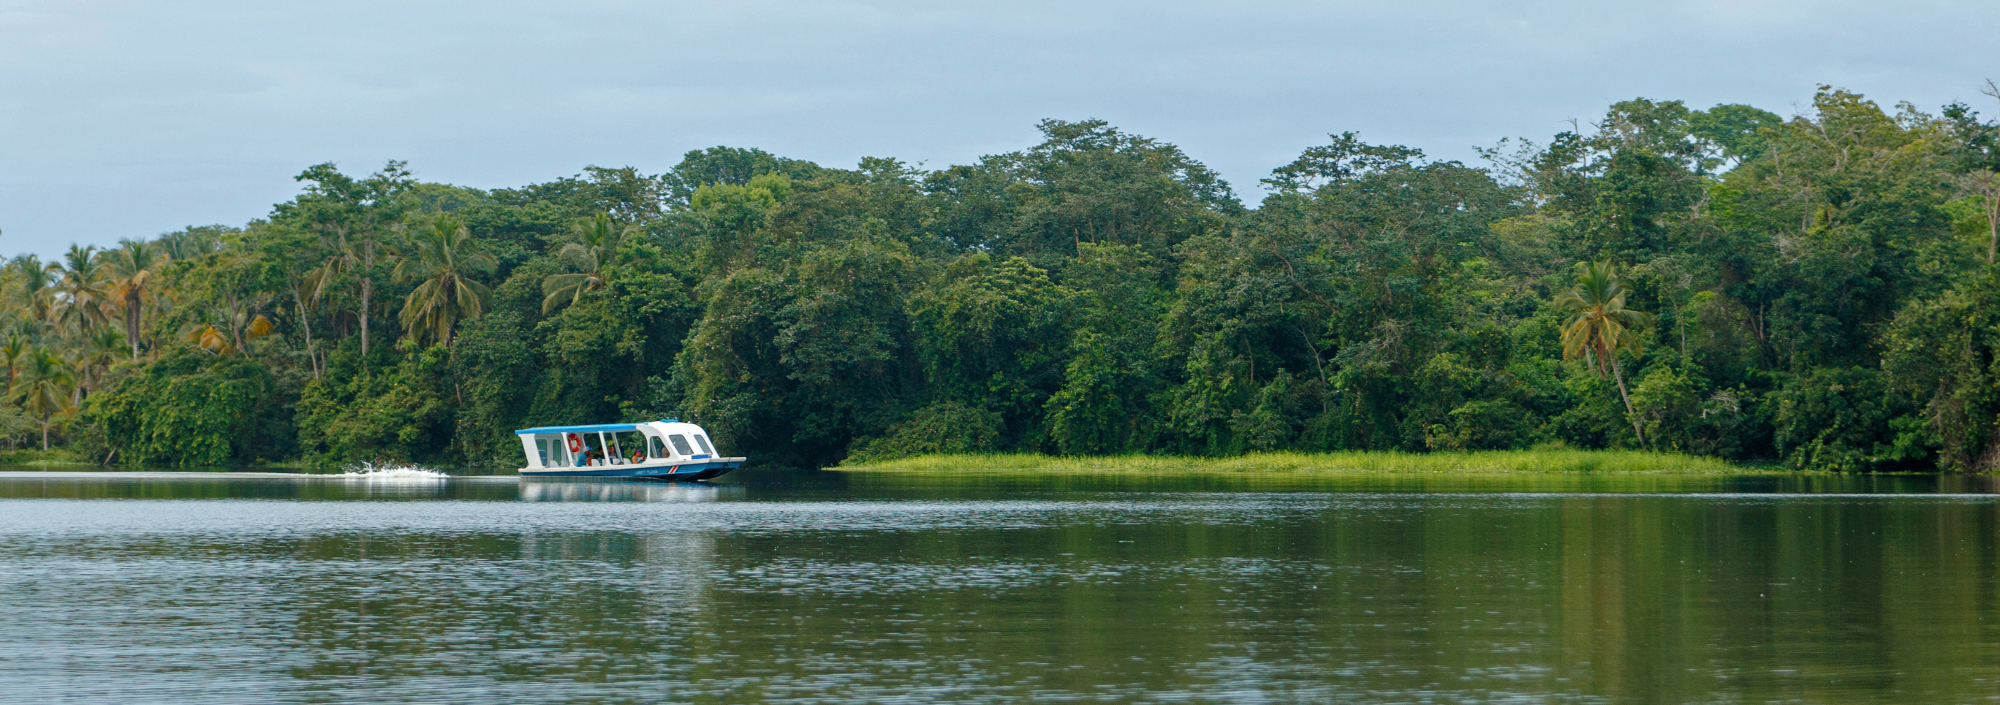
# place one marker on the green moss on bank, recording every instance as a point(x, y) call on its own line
point(1478, 462)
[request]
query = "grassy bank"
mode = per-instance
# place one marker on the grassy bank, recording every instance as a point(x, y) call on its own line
point(1479, 462)
point(36, 457)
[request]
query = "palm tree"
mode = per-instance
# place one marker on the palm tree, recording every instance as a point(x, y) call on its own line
point(132, 269)
point(80, 284)
point(100, 351)
point(445, 255)
point(597, 240)
point(34, 294)
point(12, 350)
point(1599, 326)
point(46, 389)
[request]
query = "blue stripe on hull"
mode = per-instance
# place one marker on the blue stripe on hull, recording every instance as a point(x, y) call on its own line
point(684, 471)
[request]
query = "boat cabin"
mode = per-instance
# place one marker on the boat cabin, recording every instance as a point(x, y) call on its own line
point(611, 447)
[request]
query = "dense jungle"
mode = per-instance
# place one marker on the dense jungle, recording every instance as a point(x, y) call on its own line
point(1816, 292)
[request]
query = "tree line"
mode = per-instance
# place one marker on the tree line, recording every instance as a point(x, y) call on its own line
point(1818, 291)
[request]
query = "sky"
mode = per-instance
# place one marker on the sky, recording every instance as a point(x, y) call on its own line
point(130, 119)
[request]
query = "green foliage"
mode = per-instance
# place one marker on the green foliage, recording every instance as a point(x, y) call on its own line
point(1837, 419)
point(944, 427)
point(1097, 411)
point(1813, 291)
point(1540, 461)
point(990, 334)
point(402, 413)
point(732, 167)
point(1669, 405)
point(1736, 130)
point(806, 358)
point(1943, 356)
point(490, 358)
point(442, 266)
point(16, 426)
point(192, 408)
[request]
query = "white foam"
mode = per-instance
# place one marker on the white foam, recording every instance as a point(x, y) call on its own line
point(394, 473)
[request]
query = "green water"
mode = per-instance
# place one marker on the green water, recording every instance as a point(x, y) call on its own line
point(828, 587)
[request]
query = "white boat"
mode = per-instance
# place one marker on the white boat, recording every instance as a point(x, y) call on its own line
point(668, 449)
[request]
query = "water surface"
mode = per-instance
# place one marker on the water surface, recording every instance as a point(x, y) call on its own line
point(824, 587)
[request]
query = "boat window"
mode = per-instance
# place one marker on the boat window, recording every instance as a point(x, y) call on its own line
point(703, 442)
point(681, 444)
point(554, 455)
point(599, 449)
point(629, 444)
point(659, 448)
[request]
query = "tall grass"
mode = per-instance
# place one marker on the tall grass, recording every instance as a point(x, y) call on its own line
point(1358, 462)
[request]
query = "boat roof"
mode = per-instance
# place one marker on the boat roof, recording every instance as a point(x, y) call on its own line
point(590, 428)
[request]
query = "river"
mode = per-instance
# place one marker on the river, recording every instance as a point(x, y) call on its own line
point(828, 587)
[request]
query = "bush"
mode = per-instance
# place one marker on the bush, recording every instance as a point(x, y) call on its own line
point(948, 427)
point(401, 413)
point(191, 408)
point(1838, 419)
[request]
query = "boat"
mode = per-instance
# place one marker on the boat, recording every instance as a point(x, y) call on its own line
point(668, 449)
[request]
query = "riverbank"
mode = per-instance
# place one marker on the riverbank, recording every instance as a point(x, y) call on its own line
point(1357, 462)
point(36, 457)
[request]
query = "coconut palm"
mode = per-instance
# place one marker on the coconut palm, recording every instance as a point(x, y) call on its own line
point(100, 351)
point(81, 289)
point(596, 241)
point(34, 295)
point(13, 351)
point(1599, 326)
point(444, 256)
point(132, 273)
point(45, 389)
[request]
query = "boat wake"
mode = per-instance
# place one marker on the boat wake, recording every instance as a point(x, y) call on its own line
point(394, 473)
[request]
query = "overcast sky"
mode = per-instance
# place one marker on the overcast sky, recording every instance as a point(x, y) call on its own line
point(129, 119)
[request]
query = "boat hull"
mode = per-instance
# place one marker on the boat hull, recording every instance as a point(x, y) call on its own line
point(691, 470)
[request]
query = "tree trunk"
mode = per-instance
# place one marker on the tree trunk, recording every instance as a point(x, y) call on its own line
point(1629, 415)
point(45, 435)
point(367, 292)
point(132, 323)
point(1992, 223)
point(305, 322)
